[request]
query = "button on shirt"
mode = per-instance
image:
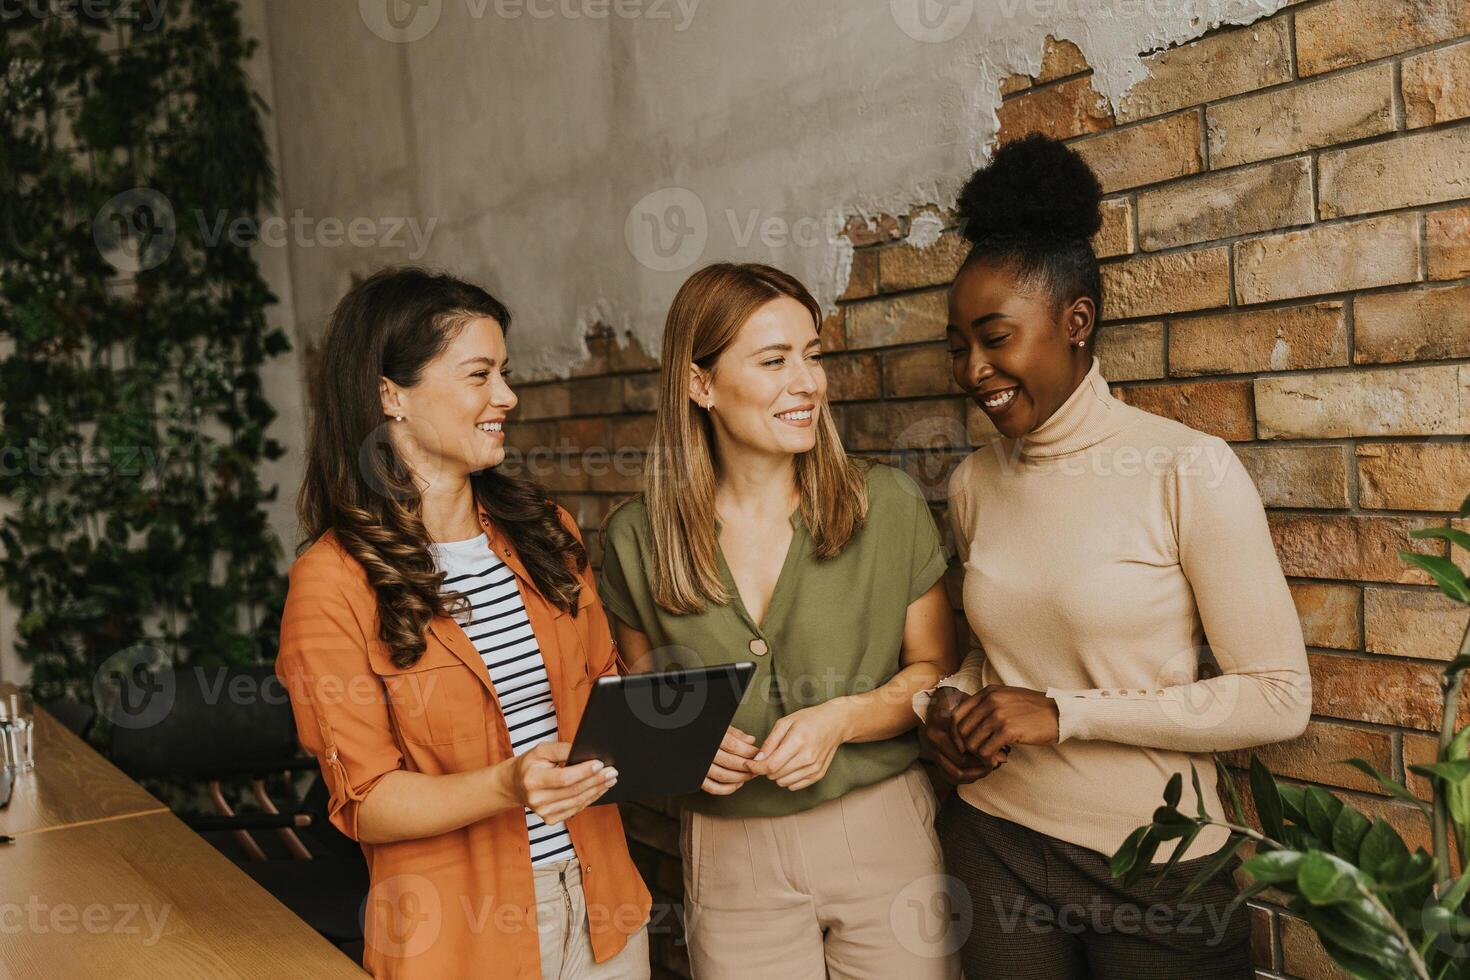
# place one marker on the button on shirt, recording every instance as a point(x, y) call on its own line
point(834, 628)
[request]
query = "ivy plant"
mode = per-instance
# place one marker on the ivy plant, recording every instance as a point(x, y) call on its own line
point(132, 337)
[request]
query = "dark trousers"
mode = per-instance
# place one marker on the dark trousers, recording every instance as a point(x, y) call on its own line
point(1044, 909)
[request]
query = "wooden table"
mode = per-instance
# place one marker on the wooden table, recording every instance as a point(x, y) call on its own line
point(70, 786)
point(103, 881)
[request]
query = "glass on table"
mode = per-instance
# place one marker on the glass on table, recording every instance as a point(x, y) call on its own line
point(17, 731)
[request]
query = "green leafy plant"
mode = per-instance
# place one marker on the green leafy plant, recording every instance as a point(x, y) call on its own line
point(1381, 912)
point(134, 420)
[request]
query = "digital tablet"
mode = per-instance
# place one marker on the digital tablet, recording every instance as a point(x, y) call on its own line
point(659, 730)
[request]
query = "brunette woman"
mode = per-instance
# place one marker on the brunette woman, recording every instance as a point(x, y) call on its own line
point(811, 850)
point(440, 636)
point(1132, 615)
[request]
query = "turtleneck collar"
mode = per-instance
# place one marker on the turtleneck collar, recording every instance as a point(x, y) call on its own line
point(1088, 416)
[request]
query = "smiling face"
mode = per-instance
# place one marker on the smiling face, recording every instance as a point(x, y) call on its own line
point(1012, 350)
point(454, 418)
point(767, 388)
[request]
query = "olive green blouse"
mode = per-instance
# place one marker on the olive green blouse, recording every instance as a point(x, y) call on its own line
point(834, 628)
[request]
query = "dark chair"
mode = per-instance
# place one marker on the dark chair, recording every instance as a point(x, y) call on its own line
point(224, 722)
point(73, 714)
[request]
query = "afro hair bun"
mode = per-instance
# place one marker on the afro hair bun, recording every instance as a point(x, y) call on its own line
point(1035, 186)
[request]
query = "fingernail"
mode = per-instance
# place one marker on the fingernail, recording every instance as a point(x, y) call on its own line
point(759, 756)
point(596, 765)
point(610, 775)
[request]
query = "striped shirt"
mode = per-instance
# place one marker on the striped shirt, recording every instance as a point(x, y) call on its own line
point(497, 625)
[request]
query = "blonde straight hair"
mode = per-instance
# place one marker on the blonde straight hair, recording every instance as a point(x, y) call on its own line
point(703, 321)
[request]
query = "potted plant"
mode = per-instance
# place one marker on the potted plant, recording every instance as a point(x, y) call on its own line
point(1381, 912)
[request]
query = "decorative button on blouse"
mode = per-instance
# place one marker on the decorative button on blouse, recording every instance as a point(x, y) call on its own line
point(758, 647)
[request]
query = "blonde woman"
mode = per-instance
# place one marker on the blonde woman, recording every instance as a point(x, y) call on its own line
point(811, 850)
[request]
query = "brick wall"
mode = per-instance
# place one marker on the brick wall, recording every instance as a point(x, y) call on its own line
point(1287, 263)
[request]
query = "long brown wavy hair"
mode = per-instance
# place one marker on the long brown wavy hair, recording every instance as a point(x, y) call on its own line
point(391, 325)
point(704, 319)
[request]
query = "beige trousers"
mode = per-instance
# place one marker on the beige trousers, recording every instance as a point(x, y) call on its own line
point(852, 888)
point(561, 919)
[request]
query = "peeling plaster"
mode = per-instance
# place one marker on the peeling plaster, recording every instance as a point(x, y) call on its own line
point(552, 149)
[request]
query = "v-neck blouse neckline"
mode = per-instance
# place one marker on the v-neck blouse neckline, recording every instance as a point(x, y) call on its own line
point(783, 577)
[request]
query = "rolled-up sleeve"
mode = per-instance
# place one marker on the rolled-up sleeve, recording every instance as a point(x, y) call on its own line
point(339, 703)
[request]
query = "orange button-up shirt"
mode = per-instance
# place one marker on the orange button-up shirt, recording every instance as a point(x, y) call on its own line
point(461, 903)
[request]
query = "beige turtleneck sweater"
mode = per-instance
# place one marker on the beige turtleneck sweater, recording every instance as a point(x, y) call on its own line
point(1107, 555)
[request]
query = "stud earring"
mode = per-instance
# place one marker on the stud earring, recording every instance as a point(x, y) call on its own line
point(398, 418)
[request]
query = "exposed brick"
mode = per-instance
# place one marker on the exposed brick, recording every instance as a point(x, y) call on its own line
point(872, 231)
point(833, 331)
point(1382, 692)
point(1150, 285)
point(920, 371)
point(632, 433)
point(629, 355)
point(1213, 206)
point(1131, 351)
point(581, 434)
point(1221, 408)
point(1421, 168)
point(908, 319)
point(1144, 154)
point(1419, 750)
point(1437, 86)
point(1284, 121)
point(899, 426)
point(1263, 936)
point(526, 437)
point(852, 377)
point(1316, 753)
point(599, 342)
point(544, 401)
point(1012, 84)
point(1382, 251)
point(1060, 59)
point(1215, 67)
point(862, 280)
point(1350, 547)
point(1409, 476)
point(1298, 476)
point(1069, 108)
point(1330, 614)
point(906, 266)
point(1348, 32)
point(1116, 235)
point(640, 392)
point(1448, 234)
point(1302, 953)
point(1417, 325)
point(1413, 623)
point(1293, 339)
point(1416, 401)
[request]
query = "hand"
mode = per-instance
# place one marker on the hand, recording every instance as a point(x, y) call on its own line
point(554, 791)
point(989, 723)
point(802, 744)
point(937, 742)
point(731, 768)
